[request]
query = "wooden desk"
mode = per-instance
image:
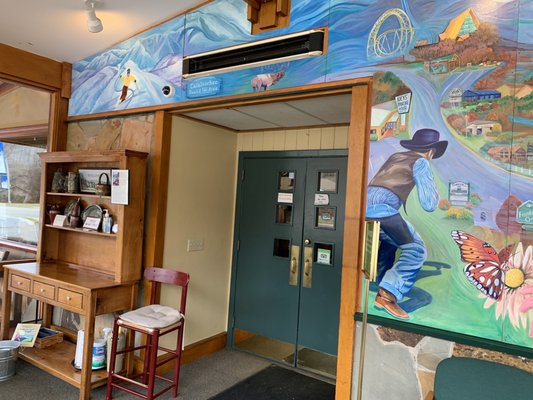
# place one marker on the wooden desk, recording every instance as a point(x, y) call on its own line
point(17, 301)
point(76, 289)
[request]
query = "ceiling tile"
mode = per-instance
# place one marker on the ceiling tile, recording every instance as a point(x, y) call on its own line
point(232, 119)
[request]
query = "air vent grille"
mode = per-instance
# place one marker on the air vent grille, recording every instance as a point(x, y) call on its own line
point(270, 51)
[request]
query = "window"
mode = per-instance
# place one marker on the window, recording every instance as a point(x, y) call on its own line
point(23, 135)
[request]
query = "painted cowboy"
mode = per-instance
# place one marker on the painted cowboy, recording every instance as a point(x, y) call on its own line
point(387, 193)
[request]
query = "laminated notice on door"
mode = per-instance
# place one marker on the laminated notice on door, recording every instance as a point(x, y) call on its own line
point(321, 199)
point(285, 198)
point(323, 256)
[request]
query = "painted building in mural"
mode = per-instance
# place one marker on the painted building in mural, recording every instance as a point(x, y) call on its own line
point(465, 68)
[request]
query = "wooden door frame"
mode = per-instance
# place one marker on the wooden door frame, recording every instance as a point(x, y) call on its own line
point(358, 156)
point(27, 69)
point(354, 225)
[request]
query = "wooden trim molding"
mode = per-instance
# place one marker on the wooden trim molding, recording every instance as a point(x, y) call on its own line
point(266, 15)
point(156, 204)
point(39, 72)
point(57, 139)
point(24, 67)
point(358, 150)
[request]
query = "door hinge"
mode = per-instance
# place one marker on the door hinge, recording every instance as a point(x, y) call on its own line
point(238, 245)
point(242, 175)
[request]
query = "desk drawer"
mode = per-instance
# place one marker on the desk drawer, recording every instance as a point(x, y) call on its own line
point(73, 299)
point(20, 283)
point(44, 290)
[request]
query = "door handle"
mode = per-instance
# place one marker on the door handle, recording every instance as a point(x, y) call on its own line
point(308, 268)
point(293, 269)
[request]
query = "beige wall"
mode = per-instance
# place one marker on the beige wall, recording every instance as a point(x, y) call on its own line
point(295, 139)
point(24, 107)
point(201, 205)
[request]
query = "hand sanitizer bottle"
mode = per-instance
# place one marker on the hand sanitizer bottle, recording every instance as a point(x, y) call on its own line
point(107, 222)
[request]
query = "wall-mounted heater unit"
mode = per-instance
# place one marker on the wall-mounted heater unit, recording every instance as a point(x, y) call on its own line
point(269, 51)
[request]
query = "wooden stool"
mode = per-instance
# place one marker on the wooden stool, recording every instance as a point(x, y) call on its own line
point(469, 378)
point(153, 321)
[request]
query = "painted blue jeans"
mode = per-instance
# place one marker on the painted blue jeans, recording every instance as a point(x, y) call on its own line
point(400, 276)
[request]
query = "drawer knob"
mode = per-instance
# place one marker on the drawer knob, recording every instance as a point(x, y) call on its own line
point(19, 283)
point(42, 290)
point(69, 298)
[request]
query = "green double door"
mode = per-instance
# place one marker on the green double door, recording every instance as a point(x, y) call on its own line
point(287, 277)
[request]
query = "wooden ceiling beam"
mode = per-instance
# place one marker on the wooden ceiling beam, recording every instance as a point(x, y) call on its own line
point(268, 14)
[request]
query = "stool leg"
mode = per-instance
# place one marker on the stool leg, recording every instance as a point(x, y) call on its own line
point(112, 356)
point(147, 354)
point(178, 362)
point(154, 344)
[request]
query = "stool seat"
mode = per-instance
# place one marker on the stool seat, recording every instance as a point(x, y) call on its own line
point(153, 316)
point(472, 379)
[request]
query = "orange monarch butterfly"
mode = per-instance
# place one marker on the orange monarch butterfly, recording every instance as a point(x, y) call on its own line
point(485, 268)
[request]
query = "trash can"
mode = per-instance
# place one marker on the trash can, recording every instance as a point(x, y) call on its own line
point(9, 350)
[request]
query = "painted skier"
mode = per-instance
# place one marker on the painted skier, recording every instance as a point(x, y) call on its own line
point(127, 80)
point(387, 192)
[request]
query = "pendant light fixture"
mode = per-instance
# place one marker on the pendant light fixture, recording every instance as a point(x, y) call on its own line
point(93, 22)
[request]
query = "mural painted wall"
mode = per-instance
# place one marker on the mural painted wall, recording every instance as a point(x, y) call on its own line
point(451, 133)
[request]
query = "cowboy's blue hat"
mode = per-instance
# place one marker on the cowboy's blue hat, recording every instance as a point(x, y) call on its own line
point(426, 139)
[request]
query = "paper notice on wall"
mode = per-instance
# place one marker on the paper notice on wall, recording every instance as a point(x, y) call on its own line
point(119, 186)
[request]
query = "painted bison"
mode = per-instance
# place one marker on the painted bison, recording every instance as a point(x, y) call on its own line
point(264, 81)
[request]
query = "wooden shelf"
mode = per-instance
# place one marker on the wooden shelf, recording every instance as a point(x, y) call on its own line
point(57, 360)
point(81, 195)
point(80, 230)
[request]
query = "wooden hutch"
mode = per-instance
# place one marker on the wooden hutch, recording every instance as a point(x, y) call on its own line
point(86, 272)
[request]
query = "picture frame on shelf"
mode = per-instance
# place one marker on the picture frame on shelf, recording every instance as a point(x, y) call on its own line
point(26, 334)
point(90, 177)
point(91, 223)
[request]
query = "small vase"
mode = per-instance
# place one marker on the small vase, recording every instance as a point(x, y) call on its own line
point(73, 182)
point(59, 182)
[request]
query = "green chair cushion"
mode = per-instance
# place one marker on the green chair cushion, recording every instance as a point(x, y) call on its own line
point(460, 378)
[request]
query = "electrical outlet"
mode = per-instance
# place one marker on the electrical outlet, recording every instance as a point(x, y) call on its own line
point(195, 245)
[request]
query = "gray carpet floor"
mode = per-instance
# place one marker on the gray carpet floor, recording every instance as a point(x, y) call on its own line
point(199, 380)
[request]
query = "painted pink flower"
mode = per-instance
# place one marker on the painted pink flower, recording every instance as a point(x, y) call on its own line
point(518, 288)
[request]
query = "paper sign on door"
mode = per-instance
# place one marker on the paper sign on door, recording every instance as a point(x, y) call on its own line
point(321, 199)
point(285, 198)
point(323, 256)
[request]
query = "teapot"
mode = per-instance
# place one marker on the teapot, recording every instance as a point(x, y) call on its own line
point(51, 211)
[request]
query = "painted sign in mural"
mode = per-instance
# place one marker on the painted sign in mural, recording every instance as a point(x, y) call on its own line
point(451, 162)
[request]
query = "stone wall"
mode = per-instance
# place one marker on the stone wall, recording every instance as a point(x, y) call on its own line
point(401, 366)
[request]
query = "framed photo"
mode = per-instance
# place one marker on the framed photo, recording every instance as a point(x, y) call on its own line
point(26, 334)
point(90, 177)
